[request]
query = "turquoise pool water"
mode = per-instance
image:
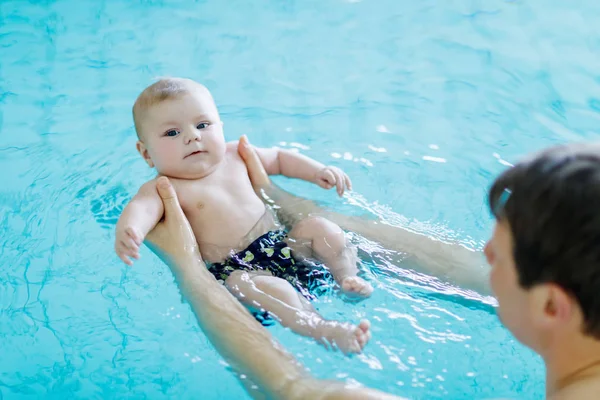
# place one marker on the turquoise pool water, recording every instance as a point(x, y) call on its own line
point(422, 103)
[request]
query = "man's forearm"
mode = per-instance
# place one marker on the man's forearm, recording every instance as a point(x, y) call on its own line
point(249, 347)
point(234, 332)
point(447, 261)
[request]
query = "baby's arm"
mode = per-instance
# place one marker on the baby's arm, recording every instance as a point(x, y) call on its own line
point(139, 217)
point(295, 165)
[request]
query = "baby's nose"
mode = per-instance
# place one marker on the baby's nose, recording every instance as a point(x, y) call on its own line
point(193, 134)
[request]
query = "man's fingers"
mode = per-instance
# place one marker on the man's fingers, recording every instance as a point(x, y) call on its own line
point(169, 198)
point(256, 171)
point(165, 190)
point(244, 148)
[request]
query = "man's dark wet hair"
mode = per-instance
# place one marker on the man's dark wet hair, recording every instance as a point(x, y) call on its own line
point(551, 202)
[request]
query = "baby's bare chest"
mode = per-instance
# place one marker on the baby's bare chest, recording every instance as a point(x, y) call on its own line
point(221, 208)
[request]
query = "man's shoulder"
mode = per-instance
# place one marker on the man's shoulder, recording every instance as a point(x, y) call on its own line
point(588, 389)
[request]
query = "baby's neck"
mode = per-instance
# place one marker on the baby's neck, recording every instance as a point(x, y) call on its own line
point(199, 176)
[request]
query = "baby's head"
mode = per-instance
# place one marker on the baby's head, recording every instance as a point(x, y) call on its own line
point(179, 128)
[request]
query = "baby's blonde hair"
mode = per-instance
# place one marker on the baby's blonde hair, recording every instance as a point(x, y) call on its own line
point(159, 91)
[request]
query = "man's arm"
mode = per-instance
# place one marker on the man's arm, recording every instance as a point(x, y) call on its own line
point(232, 330)
point(245, 344)
point(451, 262)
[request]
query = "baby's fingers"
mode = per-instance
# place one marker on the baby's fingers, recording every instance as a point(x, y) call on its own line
point(124, 258)
point(325, 185)
point(348, 182)
point(339, 182)
point(130, 244)
point(125, 253)
point(329, 177)
point(326, 180)
point(134, 234)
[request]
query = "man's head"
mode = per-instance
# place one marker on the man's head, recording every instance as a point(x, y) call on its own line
point(545, 250)
point(179, 128)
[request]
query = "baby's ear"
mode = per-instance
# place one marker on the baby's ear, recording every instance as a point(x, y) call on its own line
point(141, 148)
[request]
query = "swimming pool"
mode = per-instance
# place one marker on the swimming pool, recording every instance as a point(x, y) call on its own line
point(422, 103)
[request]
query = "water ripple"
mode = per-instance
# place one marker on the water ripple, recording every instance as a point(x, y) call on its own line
point(384, 92)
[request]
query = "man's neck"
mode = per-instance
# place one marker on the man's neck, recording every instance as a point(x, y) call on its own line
point(573, 370)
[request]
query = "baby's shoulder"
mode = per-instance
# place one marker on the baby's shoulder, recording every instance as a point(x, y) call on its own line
point(232, 152)
point(233, 145)
point(180, 185)
point(232, 149)
point(148, 188)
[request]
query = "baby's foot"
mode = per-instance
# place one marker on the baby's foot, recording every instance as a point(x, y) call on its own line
point(350, 339)
point(356, 286)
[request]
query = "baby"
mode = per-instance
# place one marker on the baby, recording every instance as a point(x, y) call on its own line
point(181, 135)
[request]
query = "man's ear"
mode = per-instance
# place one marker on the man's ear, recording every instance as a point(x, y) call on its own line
point(556, 306)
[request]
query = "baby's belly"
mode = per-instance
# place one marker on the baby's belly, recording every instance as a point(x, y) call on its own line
point(224, 238)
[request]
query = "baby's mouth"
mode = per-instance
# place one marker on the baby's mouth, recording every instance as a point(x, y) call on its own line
point(194, 153)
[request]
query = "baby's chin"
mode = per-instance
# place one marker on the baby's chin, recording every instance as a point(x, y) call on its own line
point(187, 172)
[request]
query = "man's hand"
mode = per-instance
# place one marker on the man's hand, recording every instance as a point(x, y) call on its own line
point(256, 171)
point(173, 236)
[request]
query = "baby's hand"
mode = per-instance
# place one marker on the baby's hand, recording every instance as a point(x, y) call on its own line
point(330, 176)
point(127, 244)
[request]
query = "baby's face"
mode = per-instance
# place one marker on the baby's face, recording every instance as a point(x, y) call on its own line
point(183, 137)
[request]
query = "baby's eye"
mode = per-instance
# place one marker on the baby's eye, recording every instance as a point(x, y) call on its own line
point(202, 125)
point(171, 133)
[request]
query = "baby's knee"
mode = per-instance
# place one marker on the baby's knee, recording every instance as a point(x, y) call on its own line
point(272, 285)
point(313, 226)
point(237, 282)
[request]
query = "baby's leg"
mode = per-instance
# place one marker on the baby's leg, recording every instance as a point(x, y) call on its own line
point(281, 300)
point(328, 243)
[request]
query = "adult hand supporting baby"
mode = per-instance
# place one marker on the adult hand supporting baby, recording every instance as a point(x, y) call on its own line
point(447, 260)
point(233, 331)
point(172, 238)
point(290, 208)
point(256, 171)
point(243, 342)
